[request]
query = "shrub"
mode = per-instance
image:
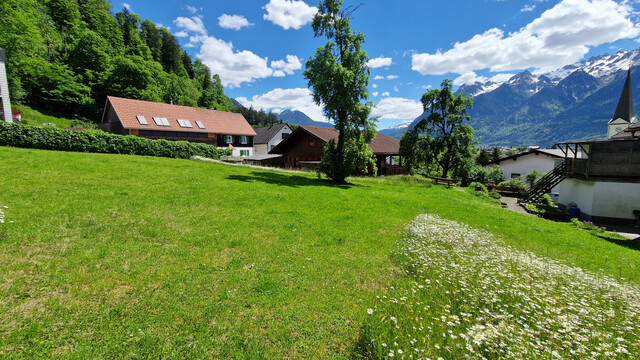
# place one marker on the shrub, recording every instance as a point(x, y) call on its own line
point(96, 141)
point(533, 177)
point(494, 194)
point(478, 187)
point(514, 184)
point(495, 175)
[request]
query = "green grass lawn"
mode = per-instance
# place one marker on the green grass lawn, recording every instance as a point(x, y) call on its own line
point(34, 117)
point(115, 256)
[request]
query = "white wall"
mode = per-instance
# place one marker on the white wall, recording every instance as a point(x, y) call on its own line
point(260, 149)
point(523, 165)
point(4, 91)
point(278, 137)
point(600, 198)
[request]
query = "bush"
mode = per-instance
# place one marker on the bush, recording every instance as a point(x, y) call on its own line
point(494, 194)
point(513, 183)
point(96, 141)
point(478, 187)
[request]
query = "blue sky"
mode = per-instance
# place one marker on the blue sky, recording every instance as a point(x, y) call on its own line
point(259, 47)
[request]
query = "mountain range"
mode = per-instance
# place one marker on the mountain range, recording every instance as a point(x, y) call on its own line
point(571, 103)
point(300, 118)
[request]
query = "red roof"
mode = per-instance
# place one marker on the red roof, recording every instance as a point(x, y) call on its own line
point(214, 121)
point(381, 144)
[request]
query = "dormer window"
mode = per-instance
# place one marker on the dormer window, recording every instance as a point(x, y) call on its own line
point(160, 121)
point(142, 120)
point(184, 123)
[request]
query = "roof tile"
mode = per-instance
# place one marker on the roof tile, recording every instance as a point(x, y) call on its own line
point(214, 121)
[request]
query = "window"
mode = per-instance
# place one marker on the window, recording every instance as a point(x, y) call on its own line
point(142, 120)
point(184, 123)
point(200, 124)
point(515, 176)
point(245, 152)
point(312, 142)
point(284, 135)
point(228, 139)
point(244, 140)
point(160, 121)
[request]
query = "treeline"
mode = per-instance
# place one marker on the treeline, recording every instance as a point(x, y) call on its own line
point(258, 118)
point(66, 56)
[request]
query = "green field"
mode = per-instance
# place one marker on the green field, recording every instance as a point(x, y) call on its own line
point(114, 256)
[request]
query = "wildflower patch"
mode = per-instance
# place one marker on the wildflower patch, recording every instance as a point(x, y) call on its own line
point(474, 297)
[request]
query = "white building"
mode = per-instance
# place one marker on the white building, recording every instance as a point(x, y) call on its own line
point(605, 182)
point(5, 103)
point(268, 137)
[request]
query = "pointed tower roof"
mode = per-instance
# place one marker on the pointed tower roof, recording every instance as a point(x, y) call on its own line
point(626, 110)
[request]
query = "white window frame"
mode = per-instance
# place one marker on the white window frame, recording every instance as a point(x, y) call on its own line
point(244, 140)
point(228, 139)
point(160, 121)
point(185, 123)
point(199, 124)
point(142, 120)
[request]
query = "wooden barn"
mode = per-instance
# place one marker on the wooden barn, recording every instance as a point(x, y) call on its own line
point(305, 146)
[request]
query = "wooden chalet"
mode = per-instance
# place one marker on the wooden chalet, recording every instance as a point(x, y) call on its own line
point(305, 147)
point(175, 122)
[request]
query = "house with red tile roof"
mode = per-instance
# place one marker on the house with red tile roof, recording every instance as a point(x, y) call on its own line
point(305, 147)
point(176, 122)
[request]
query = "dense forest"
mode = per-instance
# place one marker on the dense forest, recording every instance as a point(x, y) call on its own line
point(66, 56)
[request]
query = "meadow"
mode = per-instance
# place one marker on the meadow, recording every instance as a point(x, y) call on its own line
point(116, 256)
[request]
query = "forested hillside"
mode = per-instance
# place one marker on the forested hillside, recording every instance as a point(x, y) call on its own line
point(66, 56)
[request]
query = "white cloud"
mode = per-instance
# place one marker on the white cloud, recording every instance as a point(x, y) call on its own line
point(379, 62)
point(193, 24)
point(375, 93)
point(388, 77)
point(234, 67)
point(234, 22)
point(561, 35)
point(397, 108)
point(527, 8)
point(468, 78)
point(289, 14)
point(386, 93)
point(287, 67)
point(192, 9)
point(126, 6)
point(181, 34)
point(375, 86)
point(498, 78)
point(299, 99)
point(395, 88)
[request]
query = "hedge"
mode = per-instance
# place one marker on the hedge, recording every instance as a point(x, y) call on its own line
point(97, 141)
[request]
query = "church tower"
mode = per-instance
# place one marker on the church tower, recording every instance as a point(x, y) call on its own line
point(625, 113)
point(5, 104)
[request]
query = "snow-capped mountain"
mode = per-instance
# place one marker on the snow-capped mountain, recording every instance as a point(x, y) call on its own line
point(603, 67)
point(571, 103)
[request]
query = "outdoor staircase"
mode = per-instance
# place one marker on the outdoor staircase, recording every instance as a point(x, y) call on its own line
point(546, 183)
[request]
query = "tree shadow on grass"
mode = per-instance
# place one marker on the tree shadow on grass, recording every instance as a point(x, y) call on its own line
point(286, 180)
point(628, 243)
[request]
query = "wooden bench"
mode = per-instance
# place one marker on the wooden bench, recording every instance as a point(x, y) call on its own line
point(443, 181)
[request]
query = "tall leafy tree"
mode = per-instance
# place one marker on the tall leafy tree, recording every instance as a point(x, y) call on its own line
point(442, 138)
point(339, 75)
